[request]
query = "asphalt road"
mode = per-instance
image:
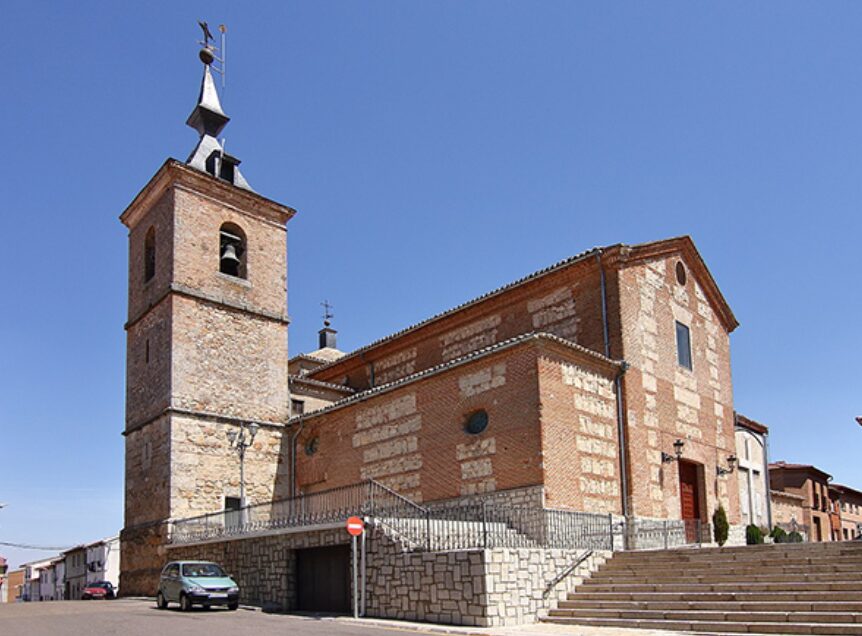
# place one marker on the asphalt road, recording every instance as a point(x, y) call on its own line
point(136, 617)
point(128, 617)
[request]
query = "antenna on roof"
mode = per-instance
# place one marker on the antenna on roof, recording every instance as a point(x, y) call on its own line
point(208, 52)
point(327, 313)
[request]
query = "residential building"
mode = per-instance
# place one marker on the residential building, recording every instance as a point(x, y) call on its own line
point(103, 561)
point(16, 588)
point(3, 568)
point(75, 567)
point(851, 511)
point(812, 484)
point(752, 452)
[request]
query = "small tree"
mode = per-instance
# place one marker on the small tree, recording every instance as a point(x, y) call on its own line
point(753, 535)
point(720, 527)
point(778, 535)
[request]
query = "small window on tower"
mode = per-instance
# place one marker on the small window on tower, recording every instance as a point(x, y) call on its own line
point(150, 254)
point(232, 251)
point(297, 407)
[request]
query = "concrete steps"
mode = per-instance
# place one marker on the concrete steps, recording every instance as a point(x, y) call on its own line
point(781, 589)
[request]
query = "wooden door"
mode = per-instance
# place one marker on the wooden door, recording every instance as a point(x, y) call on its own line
point(689, 496)
point(322, 579)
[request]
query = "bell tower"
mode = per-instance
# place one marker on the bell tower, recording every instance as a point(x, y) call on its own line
point(206, 345)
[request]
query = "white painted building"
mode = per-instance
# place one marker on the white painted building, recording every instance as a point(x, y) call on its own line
point(752, 454)
point(103, 561)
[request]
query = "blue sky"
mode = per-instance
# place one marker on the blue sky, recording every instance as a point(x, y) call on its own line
point(434, 151)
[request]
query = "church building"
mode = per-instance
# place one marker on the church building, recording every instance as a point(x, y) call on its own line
point(600, 384)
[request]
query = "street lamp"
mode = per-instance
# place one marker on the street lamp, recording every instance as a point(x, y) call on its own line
point(240, 441)
point(667, 458)
point(731, 462)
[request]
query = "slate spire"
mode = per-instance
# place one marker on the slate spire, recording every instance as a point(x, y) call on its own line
point(209, 119)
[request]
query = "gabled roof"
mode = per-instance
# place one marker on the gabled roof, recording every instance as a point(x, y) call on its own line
point(618, 254)
point(798, 467)
point(586, 354)
point(750, 424)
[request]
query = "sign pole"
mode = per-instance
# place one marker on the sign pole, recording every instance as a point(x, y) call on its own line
point(355, 582)
point(364, 574)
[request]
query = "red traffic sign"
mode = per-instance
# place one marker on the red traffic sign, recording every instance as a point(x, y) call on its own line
point(355, 526)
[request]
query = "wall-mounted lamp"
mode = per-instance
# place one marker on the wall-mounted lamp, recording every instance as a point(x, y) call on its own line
point(731, 463)
point(677, 450)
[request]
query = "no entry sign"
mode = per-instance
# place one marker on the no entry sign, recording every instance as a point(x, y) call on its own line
point(355, 526)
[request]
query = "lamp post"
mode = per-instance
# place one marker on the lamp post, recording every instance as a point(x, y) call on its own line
point(731, 462)
point(240, 441)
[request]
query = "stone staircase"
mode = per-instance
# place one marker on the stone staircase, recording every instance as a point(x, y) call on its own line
point(812, 588)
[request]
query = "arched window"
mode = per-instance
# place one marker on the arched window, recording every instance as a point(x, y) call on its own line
point(232, 250)
point(150, 254)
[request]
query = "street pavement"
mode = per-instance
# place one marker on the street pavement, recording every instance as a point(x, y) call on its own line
point(138, 617)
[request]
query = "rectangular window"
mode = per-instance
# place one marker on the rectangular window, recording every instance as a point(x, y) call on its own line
point(683, 345)
point(297, 407)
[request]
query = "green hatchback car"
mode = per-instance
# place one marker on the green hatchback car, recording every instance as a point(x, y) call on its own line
point(196, 583)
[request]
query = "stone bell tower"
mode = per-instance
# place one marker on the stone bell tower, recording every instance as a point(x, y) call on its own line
point(206, 341)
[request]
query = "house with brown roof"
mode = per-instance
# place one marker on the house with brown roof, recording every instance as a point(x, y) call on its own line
point(850, 503)
point(812, 485)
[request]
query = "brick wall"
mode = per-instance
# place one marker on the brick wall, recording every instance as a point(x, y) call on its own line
point(413, 439)
point(665, 401)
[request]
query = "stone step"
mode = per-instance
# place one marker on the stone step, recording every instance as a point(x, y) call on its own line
point(712, 605)
point(589, 584)
point(797, 550)
point(740, 565)
point(786, 596)
point(711, 615)
point(708, 576)
point(836, 629)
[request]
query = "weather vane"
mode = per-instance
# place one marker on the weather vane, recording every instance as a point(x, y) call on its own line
point(327, 313)
point(208, 52)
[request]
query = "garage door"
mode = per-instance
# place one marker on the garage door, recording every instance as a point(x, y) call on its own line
point(322, 576)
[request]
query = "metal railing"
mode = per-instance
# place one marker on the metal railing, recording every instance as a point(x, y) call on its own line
point(664, 533)
point(328, 506)
point(454, 525)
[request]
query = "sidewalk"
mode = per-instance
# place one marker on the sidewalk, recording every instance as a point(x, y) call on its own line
point(538, 629)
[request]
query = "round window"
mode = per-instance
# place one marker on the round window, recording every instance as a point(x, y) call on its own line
point(680, 273)
point(477, 422)
point(312, 445)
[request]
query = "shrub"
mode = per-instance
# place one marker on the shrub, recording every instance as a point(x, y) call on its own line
point(778, 535)
point(720, 527)
point(794, 537)
point(753, 535)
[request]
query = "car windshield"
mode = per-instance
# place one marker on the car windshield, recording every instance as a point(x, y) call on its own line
point(202, 569)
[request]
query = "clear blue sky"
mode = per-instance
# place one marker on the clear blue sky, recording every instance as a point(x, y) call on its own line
point(434, 151)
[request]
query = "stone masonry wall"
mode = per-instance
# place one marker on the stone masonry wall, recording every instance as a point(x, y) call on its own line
point(580, 448)
point(566, 303)
point(665, 401)
point(413, 440)
point(264, 567)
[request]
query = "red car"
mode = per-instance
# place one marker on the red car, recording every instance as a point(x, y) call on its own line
point(99, 590)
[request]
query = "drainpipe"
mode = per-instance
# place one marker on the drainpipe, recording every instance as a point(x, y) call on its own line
point(293, 437)
point(768, 483)
point(618, 388)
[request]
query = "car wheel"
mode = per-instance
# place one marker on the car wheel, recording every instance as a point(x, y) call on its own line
point(161, 601)
point(185, 603)
point(232, 606)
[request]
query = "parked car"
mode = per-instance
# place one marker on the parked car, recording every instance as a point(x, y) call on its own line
point(99, 590)
point(196, 583)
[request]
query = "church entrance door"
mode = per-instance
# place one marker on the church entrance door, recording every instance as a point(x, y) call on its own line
point(689, 496)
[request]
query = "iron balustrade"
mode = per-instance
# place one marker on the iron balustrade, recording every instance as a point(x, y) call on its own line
point(454, 525)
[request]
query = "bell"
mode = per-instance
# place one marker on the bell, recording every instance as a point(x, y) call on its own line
point(229, 254)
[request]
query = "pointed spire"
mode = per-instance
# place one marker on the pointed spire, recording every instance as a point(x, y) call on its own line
point(209, 119)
